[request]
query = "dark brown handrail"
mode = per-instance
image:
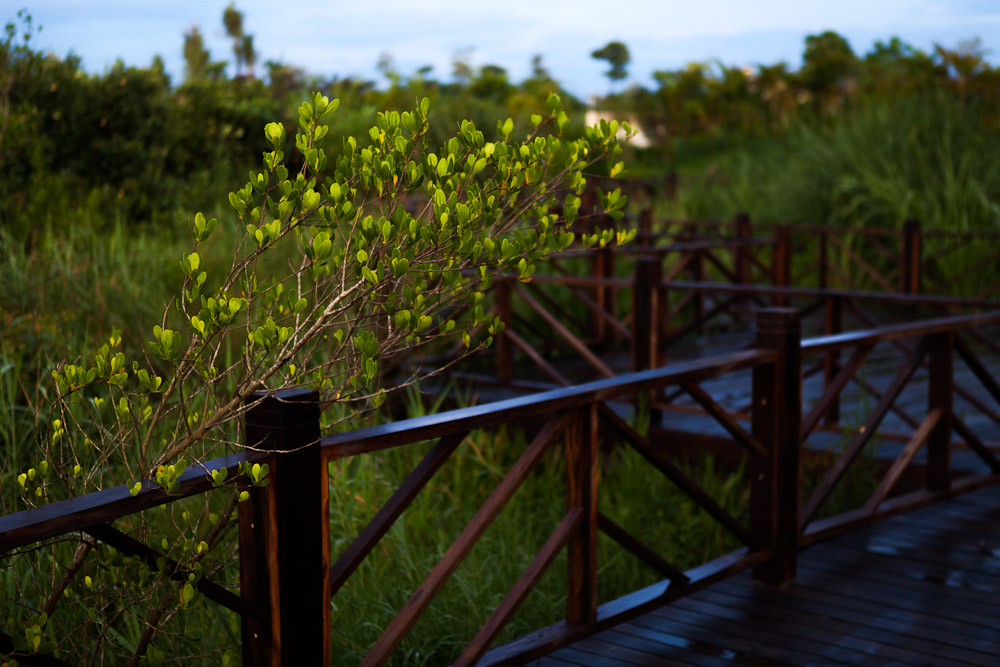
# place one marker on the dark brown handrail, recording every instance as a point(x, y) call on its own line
point(773, 443)
point(66, 516)
point(395, 434)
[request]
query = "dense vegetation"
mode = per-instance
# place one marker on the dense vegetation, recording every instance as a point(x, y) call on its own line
point(100, 176)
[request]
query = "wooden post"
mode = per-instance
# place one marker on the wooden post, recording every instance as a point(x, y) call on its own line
point(821, 267)
point(672, 180)
point(741, 265)
point(777, 414)
point(505, 355)
point(781, 258)
point(284, 535)
point(741, 259)
point(831, 359)
point(939, 395)
point(646, 228)
point(645, 313)
point(909, 261)
point(581, 492)
point(697, 269)
point(909, 264)
point(604, 268)
point(647, 307)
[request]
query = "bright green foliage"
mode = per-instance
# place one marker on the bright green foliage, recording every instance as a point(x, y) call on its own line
point(339, 264)
point(390, 247)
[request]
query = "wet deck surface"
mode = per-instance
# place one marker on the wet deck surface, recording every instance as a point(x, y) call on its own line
point(918, 589)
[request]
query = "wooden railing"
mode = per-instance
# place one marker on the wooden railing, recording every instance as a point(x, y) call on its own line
point(287, 578)
point(908, 259)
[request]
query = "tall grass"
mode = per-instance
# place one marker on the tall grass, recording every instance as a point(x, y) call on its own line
point(919, 157)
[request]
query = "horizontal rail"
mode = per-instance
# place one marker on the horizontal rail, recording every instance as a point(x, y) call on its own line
point(899, 331)
point(819, 292)
point(407, 431)
point(75, 514)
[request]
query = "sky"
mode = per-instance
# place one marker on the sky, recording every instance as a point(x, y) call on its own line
point(346, 39)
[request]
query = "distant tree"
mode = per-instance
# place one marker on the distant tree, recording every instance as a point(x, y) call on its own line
point(12, 48)
point(249, 54)
point(617, 55)
point(490, 83)
point(963, 65)
point(232, 21)
point(828, 68)
point(461, 66)
point(895, 67)
point(776, 89)
point(196, 56)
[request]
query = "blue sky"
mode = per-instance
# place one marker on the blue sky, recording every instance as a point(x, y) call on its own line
point(346, 38)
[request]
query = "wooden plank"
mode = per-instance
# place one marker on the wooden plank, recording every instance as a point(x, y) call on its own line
point(824, 529)
point(848, 616)
point(132, 547)
point(258, 554)
point(899, 593)
point(977, 367)
point(66, 516)
point(670, 647)
point(940, 391)
point(622, 653)
point(581, 456)
point(823, 638)
point(914, 566)
point(831, 394)
point(403, 432)
point(862, 607)
point(392, 509)
point(582, 657)
point(538, 359)
point(903, 460)
point(931, 301)
point(618, 611)
point(554, 306)
point(565, 334)
point(679, 266)
point(733, 427)
point(288, 424)
point(723, 269)
point(907, 418)
point(700, 321)
point(860, 262)
point(865, 433)
point(775, 481)
point(525, 584)
point(412, 609)
point(747, 642)
point(601, 312)
point(677, 476)
point(631, 544)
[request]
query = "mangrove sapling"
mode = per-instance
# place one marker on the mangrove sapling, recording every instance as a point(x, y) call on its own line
point(333, 276)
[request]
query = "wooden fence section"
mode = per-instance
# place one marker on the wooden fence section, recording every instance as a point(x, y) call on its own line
point(916, 589)
point(288, 577)
point(572, 329)
point(908, 259)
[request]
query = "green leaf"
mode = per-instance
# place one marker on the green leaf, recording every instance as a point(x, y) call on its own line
point(507, 128)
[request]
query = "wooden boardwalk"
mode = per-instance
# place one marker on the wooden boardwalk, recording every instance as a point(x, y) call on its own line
point(917, 589)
